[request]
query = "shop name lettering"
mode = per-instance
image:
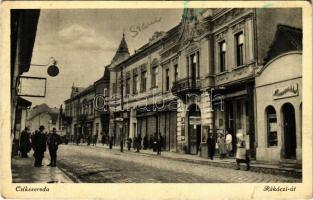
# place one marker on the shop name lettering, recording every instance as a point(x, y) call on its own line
point(281, 92)
point(279, 189)
point(136, 29)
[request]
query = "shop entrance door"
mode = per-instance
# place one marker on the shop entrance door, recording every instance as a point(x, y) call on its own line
point(289, 131)
point(194, 129)
point(230, 125)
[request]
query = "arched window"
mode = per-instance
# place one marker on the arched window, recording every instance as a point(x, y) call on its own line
point(271, 126)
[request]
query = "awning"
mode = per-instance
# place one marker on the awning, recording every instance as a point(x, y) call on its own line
point(23, 102)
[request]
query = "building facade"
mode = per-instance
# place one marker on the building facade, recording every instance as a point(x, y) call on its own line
point(23, 34)
point(279, 99)
point(43, 115)
point(79, 113)
point(196, 79)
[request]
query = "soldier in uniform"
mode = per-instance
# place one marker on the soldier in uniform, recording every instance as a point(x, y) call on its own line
point(53, 142)
point(39, 146)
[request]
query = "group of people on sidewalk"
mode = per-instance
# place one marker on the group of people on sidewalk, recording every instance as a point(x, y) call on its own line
point(225, 147)
point(39, 141)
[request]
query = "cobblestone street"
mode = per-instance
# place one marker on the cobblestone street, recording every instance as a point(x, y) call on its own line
point(100, 165)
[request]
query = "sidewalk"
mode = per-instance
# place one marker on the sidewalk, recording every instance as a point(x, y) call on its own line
point(23, 171)
point(291, 170)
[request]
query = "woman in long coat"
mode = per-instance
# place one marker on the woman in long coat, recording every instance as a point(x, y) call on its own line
point(241, 153)
point(222, 146)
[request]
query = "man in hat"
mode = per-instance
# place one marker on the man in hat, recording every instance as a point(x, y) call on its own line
point(39, 146)
point(53, 142)
point(25, 145)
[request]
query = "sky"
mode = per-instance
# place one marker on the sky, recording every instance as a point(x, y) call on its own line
point(83, 41)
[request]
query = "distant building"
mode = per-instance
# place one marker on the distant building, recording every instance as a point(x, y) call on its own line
point(79, 112)
point(43, 115)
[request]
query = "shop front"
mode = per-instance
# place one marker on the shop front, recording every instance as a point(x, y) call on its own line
point(234, 113)
point(279, 108)
point(158, 119)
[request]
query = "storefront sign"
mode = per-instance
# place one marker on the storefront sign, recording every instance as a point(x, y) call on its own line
point(287, 91)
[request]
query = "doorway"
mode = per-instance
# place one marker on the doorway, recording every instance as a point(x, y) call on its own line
point(194, 129)
point(289, 127)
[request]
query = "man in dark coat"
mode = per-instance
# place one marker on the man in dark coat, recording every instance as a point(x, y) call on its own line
point(53, 142)
point(211, 146)
point(25, 145)
point(139, 139)
point(39, 146)
point(145, 142)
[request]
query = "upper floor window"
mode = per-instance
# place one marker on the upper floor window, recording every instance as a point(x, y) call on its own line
point(167, 79)
point(114, 89)
point(193, 64)
point(143, 79)
point(175, 72)
point(135, 80)
point(222, 55)
point(127, 85)
point(239, 48)
point(154, 73)
point(271, 126)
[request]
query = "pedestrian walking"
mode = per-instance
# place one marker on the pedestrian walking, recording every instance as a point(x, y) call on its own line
point(25, 145)
point(139, 139)
point(95, 139)
point(211, 146)
point(229, 144)
point(103, 138)
point(122, 144)
point(39, 146)
point(88, 139)
point(159, 145)
point(111, 141)
point(53, 141)
point(222, 146)
point(145, 142)
point(241, 153)
point(129, 143)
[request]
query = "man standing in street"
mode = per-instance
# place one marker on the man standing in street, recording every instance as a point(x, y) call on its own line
point(53, 142)
point(25, 145)
point(39, 146)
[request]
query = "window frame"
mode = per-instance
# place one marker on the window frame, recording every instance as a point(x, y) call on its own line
point(222, 56)
point(268, 117)
point(239, 48)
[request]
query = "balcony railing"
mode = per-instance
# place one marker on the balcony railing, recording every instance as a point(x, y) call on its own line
point(186, 86)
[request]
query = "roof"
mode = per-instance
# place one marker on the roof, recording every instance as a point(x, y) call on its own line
point(79, 91)
point(286, 39)
point(122, 51)
point(42, 108)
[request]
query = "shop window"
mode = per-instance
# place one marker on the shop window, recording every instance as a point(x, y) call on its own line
point(222, 48)
point(239, 115)
point(271, 126)
point(239, 48)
